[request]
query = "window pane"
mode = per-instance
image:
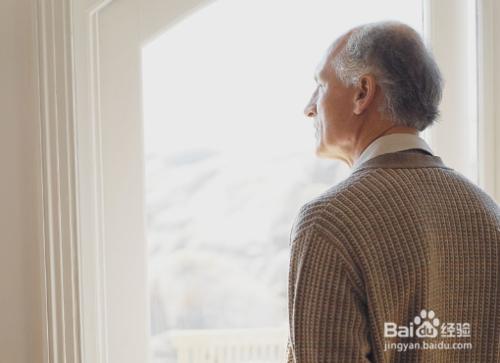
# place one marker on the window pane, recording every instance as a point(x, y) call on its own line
point(229, 161)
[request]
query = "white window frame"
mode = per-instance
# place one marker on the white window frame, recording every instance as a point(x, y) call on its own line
point(73, 266)
point(446, 24)
point(488, 54)
point(449, 27)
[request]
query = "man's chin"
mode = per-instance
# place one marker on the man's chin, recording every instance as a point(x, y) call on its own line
point(321, 153)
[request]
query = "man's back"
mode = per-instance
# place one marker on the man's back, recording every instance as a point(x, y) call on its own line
point(398, 263)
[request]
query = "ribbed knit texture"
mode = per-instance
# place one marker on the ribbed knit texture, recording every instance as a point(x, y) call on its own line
point(401, 234)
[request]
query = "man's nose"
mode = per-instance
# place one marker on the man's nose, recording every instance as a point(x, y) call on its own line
point(310, 110)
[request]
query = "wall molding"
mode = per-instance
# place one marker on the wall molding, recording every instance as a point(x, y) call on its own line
point(61, 293)
point(73, 269)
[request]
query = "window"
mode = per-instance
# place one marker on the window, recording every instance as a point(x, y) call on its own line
point(229, 161)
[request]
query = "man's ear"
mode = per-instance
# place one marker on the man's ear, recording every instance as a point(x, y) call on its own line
point(364, 94)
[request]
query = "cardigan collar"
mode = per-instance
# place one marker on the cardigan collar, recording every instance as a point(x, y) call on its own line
point(406, 159)
point(390, 144)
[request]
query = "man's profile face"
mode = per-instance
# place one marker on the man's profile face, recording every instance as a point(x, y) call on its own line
point(331, 108)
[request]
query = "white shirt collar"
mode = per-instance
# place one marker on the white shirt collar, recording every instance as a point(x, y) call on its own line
point(392, 143)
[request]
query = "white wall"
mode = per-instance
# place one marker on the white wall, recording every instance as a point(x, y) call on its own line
point(20, 189)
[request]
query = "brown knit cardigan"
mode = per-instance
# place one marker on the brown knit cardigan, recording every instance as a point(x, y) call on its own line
point(403, 242)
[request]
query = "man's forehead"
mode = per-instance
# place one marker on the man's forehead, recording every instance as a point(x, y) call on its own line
point(320, 70)
point(325, 59)
point(329, 54)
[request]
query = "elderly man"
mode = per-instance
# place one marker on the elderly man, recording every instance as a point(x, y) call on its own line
point(400, 262)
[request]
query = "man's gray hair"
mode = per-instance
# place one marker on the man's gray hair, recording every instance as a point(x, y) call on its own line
point(404, 69)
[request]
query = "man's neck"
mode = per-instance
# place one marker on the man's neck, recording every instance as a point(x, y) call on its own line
point(367, 139)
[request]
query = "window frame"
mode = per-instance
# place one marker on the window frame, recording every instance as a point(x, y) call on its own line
point(68, 37)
